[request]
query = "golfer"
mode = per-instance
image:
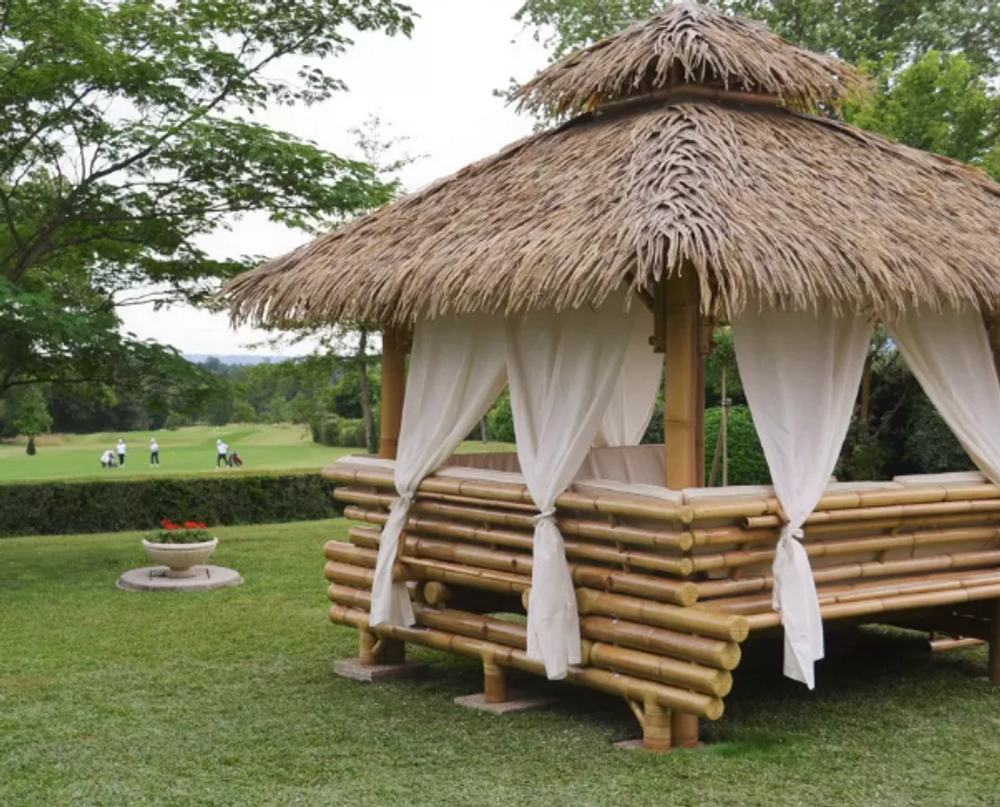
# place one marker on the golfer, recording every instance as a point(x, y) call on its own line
point(121, 452)
point(154, 451)
point(108, 459)
point(223, 454)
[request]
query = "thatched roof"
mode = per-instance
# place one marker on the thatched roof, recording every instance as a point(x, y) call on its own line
point(758, 200)
point(690, 43)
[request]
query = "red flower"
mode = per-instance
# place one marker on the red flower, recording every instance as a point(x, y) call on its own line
point(202, 527)
point(191, 525)
point(174, 527)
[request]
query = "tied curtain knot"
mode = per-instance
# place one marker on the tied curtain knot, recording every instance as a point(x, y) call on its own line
point(545, 516)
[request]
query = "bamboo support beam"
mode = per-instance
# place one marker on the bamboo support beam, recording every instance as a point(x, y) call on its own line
point(656, 588)
point(704, 623)
point(943, 644)
point(720, 654)
point(628, 686)
point(505, 492)
point(628, 558)
point(888, 604)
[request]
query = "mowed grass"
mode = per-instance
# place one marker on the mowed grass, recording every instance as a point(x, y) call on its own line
point(120, 699)
point(184, 451)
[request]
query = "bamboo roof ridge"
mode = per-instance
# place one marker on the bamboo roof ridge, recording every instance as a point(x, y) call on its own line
point(691, 43)
point(760, 200)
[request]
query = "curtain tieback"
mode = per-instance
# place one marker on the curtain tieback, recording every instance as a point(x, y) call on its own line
point(545, 515)
point(404, 499)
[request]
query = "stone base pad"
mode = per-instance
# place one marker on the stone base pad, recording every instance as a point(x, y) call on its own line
point(154, 578)
point(516, 702)
point(353, 668)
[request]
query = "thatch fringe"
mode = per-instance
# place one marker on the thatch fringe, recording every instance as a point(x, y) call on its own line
point(763, 203)
point(688, 42)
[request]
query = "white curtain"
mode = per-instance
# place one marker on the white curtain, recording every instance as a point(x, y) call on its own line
point(634, 397)
point(456, 372)
point(800, 372)
point(949, 353)
point(562, 369)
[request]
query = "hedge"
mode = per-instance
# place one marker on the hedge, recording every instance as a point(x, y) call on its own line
point(57, 508)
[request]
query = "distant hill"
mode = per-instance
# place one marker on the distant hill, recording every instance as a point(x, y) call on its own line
point(235, 358)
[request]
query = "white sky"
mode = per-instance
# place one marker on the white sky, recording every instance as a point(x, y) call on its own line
point(435, 88)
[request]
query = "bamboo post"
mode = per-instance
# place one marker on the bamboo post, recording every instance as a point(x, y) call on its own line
point(682, 356)
point(494, 682)
point(993, 663)
point(393, 392)
point(656, 727)
point(393, 389)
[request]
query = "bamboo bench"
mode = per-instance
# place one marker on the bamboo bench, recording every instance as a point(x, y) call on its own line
point(669, 584)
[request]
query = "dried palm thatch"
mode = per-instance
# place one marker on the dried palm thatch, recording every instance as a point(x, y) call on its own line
point(691, 43)
point(761, 202)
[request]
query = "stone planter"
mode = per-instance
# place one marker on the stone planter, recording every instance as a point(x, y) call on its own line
point(180, 558)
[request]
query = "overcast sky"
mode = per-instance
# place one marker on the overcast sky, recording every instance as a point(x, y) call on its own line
point(435, 88)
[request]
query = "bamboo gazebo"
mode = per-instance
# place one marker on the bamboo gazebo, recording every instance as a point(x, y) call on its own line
point(701, 176)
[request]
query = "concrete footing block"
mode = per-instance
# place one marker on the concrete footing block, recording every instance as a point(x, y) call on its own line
point(517, 702)
point(369, 673)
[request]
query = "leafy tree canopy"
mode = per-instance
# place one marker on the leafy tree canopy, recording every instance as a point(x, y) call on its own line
point(934, 62)
point(127, 133)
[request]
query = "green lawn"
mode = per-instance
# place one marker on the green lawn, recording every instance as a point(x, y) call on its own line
point(189, 450)
point(118, 699)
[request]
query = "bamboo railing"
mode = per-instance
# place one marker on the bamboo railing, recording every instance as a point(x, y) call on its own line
point(666, 592)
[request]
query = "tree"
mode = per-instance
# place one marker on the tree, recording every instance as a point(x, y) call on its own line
point(934, 62)
point(127, 133)
point(30, 415)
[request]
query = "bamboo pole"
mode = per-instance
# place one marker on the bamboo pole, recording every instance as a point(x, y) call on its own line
point(859, 592)
point(680, 410)
point(498, 493)
point(694, 620)
point(657, 588)
point(715, 653)
point(633, 536)
point(393, 390)
point(628, 686)
point(887, 605)
point(953, 643)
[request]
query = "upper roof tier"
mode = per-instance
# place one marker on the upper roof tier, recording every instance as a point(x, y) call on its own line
point(688, 43)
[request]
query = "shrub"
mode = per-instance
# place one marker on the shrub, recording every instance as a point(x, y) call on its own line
point(59, 508)
point(32, 450)
point(500, 420)
point(747, 464)
point(930, 444)
point(352, 433)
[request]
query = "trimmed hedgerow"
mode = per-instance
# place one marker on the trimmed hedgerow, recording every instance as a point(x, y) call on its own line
point(58, 508)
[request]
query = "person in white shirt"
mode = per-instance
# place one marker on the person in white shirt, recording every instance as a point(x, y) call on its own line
point(222, 458)
point(154, 451)
point(108, 459)
point(121, 452)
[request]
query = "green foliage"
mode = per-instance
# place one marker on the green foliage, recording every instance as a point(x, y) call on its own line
point(500, 420)
point(352, 433)
point(29, 413)
point(53, 508)
point(175, 421)
point(939, 103)
point(935, 62)
point(930, 444)
point(747, 463)
point(188, 532)
point(128, 136)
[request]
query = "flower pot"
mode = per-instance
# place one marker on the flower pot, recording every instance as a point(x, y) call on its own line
point(180, 558)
